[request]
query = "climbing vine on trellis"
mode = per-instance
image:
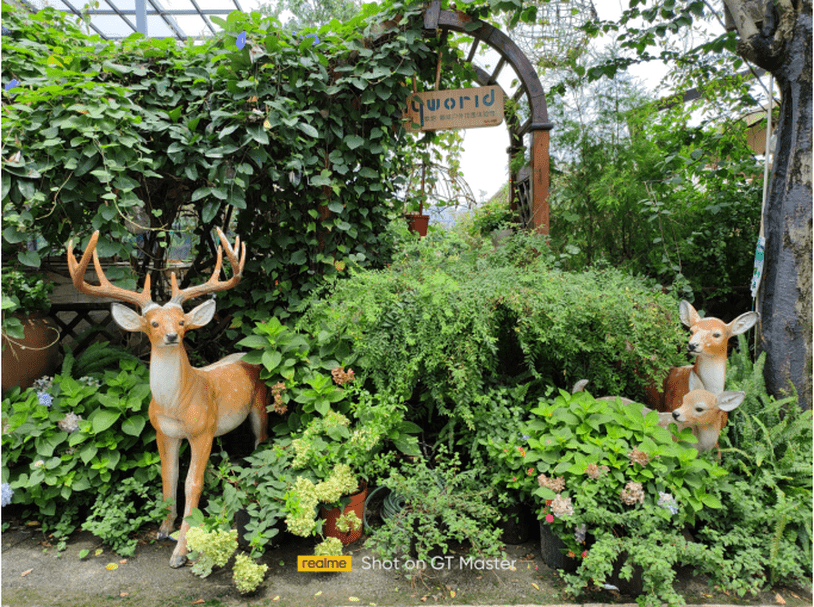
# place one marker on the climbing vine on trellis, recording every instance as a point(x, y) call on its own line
point(292, 138)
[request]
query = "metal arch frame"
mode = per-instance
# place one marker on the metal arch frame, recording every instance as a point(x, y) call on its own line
point(537, 123)
point(140, 12)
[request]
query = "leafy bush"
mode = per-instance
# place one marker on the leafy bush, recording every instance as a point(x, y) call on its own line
point(291, 140)
point(445, 323)
point(442, 503)
point(120, 510)
point(64, 440)
point(296, 367)
point(258, 485)
point(615, 488)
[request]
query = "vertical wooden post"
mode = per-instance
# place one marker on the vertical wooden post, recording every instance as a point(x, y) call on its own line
point(539, 180)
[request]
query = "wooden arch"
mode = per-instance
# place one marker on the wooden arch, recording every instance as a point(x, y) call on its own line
point(529, 188)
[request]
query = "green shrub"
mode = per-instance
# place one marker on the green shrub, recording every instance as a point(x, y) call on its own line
point(446, 323)
point(65, 441)
point(120, 510)
point(442, 503)
point(615, 488)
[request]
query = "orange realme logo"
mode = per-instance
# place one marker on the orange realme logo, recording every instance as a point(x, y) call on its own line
point(324, 563)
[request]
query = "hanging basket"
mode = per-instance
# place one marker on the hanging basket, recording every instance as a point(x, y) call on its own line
point(418, 223)
point(331, 516)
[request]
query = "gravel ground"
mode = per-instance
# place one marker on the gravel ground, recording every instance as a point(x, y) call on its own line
point(36, 575)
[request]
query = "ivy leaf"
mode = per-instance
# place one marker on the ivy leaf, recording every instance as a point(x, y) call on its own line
point(354, 141)
point(308, 129)
point(29, 258)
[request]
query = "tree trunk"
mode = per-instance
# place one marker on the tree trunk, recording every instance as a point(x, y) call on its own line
point(783, 47)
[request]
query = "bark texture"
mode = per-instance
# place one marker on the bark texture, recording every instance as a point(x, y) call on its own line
point(783, 47)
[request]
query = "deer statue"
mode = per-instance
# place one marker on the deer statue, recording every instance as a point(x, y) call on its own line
point(702, 411)
point(706, 414)
point(187, 403)
point(708, 344)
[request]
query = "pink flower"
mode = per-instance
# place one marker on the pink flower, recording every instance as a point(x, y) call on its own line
point(585, 554)
point(549, 518)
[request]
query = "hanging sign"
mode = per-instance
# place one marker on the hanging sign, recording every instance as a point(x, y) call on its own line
point(454, 109)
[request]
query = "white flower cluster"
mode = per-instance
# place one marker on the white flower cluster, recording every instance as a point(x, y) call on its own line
point(364, 438)
point(340, 482)
point(666, 500)
point(70, 423)
point(214, 548)
point(348, 522)
point(301, 520)
point(632, 494)
point(247, 574)
point(329, 547)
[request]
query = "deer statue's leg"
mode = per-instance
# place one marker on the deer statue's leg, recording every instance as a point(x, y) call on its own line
point(201, 446)
point(168, 452)
point(259, 415)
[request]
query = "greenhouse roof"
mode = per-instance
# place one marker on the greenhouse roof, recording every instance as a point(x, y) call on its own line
point(180, 19)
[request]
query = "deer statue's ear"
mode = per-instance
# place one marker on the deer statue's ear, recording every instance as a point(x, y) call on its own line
point(687, 313)
point(200, 315)
point(727, 401)
point(126, 318)
point(743, 323)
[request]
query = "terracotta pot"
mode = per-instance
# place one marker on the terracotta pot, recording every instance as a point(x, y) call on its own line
point(356, 505)
point(418, 223)
point(26, 360)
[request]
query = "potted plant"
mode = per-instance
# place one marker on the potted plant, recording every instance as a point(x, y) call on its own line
point(417, 221)
point(30, 338)
point(612, 489)
point(442, 504)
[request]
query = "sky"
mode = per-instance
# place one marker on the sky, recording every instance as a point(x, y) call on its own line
point(484, 162)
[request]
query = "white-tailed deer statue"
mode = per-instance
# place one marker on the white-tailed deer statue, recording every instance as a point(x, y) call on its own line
point(706, 414)
point(708, 343)
point(187, 403)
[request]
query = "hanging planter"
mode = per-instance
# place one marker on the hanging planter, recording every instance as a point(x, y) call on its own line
point(331, 518)
point(418, 223)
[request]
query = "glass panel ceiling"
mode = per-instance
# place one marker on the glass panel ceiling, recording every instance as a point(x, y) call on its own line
point(181, 19)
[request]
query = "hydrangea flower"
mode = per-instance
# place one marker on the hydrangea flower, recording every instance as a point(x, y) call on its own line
point(45, 399)
point(667, 501)
point(579, 533)
point(561, 506)
point(6, 493)
point(70, 423)
point(247, 574)
point(632, 494)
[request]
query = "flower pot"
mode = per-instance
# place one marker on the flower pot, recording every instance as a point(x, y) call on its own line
point(553, 550)
point(330, 516)
point(517, 523)
point(28, 359)
point(418, 223)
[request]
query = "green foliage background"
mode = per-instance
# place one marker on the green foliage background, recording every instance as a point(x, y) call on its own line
point(294, 141)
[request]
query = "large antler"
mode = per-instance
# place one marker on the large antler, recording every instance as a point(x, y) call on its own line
point(105, 288)
point(179, 296)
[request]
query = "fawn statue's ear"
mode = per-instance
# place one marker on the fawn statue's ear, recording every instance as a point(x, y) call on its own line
point(727, 401)
point(687, 313)
point(126, 318)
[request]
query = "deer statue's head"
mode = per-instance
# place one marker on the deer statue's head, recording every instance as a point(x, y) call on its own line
point(165, 325)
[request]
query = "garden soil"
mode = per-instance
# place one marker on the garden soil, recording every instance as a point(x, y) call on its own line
point(35, 574)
